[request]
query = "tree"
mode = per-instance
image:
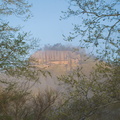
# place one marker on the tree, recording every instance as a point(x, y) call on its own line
point(14, 102)
point(43, 103)
point(100, 21)
point(18, 103)
point(19, 8)
point(87, 97)
point(15, 71)
point(58, 47)
point(15, 46)
point(93, 95)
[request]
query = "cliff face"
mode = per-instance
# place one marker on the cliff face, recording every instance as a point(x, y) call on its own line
point(52, 57)
point(59, 63)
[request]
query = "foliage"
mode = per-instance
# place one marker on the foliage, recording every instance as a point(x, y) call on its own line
point(43, 104)
point(19, 8)
point(12, 47)
point(16, 99)
point(98, 26)
point(92, 95)
point(15, 46)
point(87, 96)
point(58, 47)
point(17, 103)
point(61, 47)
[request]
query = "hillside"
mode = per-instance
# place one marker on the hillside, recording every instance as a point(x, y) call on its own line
point(50, 58)
point(61, 61)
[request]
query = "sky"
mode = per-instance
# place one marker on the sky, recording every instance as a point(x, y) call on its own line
point(45, 24)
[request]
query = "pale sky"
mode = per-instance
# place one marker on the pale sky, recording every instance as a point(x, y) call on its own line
point(45, 23)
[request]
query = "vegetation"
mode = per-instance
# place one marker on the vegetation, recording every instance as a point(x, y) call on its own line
point(85, 96)
point(20, 104)
point(58, 46)
point(99, 24)
point(91, 96)
point(16, 99)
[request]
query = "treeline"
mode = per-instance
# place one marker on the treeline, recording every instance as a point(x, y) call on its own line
point(58, 47)
point(61, 47)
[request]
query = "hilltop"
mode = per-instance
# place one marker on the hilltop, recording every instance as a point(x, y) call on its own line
point(60, 59)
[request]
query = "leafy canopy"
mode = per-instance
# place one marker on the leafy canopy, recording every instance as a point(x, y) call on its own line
point(99, 25)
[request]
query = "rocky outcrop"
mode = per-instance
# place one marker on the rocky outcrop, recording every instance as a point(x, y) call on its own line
point(52, 57)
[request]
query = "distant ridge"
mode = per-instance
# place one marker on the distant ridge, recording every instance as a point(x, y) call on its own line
point(54, 57)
